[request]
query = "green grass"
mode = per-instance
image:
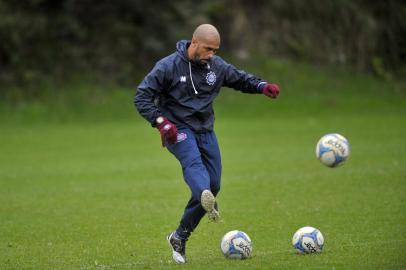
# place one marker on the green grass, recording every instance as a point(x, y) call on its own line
point(100, 193)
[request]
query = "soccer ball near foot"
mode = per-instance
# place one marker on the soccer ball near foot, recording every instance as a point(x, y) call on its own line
point(308, 240)
point(236, 245)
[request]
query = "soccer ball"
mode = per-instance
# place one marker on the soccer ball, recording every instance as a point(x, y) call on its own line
point(332, 149)
point(236, 245)
point(308, 240)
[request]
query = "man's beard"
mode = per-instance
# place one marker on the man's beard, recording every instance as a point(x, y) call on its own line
point(199, 62)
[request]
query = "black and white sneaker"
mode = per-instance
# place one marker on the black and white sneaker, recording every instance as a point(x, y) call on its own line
point(178, 247)
point(209, 204)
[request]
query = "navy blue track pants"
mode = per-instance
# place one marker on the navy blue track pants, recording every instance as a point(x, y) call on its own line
point(199, 156)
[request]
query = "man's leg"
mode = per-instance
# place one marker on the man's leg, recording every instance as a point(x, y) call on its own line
point(202, 200)
point(194, 172)
point(197, 178)
point(211, 158)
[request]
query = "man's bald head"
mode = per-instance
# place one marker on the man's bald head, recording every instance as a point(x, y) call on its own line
point(205, 32)
point(204, 45)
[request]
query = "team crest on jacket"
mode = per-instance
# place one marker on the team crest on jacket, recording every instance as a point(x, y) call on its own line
point(211, 78)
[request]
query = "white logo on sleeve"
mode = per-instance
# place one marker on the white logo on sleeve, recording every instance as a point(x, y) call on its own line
point(182, 78)
point(211, 78)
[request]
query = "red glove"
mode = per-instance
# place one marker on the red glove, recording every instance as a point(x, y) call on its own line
point(271, 90)
point(169, 132)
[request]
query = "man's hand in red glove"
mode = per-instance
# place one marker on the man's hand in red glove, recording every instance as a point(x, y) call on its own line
point(271, 90)
point(169, 132)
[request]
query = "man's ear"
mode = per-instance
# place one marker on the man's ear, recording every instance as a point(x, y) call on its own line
point(194, 42)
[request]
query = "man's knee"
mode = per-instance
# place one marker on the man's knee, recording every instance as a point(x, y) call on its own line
point(192, 163)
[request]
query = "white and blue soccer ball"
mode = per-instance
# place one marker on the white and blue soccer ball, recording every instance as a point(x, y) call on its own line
point(332, 149)
point(236, 245)
point(308, 240)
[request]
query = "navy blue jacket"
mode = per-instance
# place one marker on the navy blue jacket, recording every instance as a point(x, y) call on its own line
point(184, 92)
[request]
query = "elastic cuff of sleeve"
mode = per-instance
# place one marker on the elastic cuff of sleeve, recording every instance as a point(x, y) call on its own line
point(261, 86)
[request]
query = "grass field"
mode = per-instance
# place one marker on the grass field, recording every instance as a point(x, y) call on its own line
point(98, 191)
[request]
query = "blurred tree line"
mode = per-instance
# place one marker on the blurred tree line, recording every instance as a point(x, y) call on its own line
point(116, 40)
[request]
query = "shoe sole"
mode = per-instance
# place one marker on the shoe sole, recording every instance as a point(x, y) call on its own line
point(208, 201)
point(176, 256)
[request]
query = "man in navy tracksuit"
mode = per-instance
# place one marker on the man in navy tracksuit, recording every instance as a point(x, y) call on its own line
point(177, 97)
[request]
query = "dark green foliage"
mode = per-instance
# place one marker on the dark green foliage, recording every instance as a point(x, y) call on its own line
point(116, 40)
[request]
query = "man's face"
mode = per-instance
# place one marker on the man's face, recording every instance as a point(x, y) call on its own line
point(204, 50)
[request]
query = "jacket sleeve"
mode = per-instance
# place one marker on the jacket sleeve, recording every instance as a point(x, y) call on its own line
point(148, 91)
point(241, 80)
